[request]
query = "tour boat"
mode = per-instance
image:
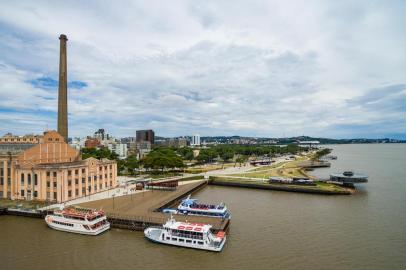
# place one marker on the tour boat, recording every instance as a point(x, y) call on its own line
point(191, 207)
point(90, 222)
point(190, 235)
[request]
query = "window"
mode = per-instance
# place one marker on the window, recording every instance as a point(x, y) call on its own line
point(54, 174)
point(200, 242)
point(35, 194)
point(188, 241)
point(54, 195)
point(83, 180)
point(95, 187)
point(83, 170)
point(48, 173)
point(101, 186)
point(35, 179)
point(54, 184)
point(29, 179)
point(69, 183)
point(69, 173)
point(22, 179)
point(48, 195)
point(168, 238)
point(48, 184)
point(70, 193)
point(22, 193)
point(174, 239)
point(76, 171)
point(76, 192)
point(83, 190)
point(89, 178)
point(95, 177)
point(181, 240)
point(76, 181)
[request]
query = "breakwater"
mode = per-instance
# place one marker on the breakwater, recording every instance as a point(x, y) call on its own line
point(280, 187)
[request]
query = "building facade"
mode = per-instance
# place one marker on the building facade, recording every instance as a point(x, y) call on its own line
point(52, 171)
point(119, 148)
point(195, 140)
point(145, 135)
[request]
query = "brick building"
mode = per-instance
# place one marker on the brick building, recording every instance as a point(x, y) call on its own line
point(51, 171)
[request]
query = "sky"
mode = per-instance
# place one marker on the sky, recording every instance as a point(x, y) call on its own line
point(252, 68)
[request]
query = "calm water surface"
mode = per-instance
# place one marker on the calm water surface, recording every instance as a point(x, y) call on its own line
point(269, 230)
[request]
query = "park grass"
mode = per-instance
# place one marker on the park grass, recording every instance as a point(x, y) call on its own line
point(286, 169)
point(207, 168)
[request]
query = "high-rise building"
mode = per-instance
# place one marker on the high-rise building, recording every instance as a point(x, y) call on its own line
point(195, 140)
point(145, 135)
point(63, 90)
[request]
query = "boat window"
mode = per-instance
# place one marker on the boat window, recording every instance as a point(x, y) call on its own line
point(168, 238)
point(174, 239)
point(200, 242)
point(188, 241)
point(181, 240)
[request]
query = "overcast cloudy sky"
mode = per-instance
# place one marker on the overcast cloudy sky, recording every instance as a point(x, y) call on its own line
point(257, 68)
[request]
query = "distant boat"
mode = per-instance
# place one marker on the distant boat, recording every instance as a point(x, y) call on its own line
point(89, 222)
point(189, 235)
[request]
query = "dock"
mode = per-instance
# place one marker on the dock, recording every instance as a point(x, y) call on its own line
point(141, 210)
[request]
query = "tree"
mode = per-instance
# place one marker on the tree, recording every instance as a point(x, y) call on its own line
point(162, 158)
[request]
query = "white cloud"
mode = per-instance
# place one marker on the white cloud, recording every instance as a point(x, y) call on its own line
point(261, 68)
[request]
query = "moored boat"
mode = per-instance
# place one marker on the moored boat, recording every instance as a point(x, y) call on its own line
point(189, 235)
point(192, 207)
point(82, 221)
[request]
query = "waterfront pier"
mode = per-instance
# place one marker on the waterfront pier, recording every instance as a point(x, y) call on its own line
point(141, 210)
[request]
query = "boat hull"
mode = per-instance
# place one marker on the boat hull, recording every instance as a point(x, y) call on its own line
point(154, 235)
point(78, 229)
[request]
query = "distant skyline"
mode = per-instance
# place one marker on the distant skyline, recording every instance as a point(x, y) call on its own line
point(331, 69)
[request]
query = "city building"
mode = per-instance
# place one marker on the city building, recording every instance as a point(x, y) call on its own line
point(119, 148)
point(145, 135)
point(51, 171)
point(92, 143)
point(175, 142)
point(143, 148)
point(101, 135)
point(31, 139)
point(195, 140)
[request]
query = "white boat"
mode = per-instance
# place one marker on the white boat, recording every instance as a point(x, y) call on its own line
point(89, 222)
point(192, 207)
point(189, 235)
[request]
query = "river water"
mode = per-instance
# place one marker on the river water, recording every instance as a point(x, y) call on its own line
point(269, 229)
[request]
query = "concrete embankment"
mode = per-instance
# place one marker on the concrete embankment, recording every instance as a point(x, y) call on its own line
point(279, 187)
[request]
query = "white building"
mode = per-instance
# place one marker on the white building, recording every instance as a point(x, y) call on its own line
point(78, 143)
point(195, 140)
point(119, 148)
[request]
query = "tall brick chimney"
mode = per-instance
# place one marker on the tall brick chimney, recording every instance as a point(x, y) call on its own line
point(63, 90)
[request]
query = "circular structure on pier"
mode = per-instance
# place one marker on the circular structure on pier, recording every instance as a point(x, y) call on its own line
point(349, 177)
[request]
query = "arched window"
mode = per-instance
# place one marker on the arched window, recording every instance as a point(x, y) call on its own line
point(29, 179)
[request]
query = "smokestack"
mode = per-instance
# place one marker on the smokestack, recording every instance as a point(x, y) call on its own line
point(63, 90)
